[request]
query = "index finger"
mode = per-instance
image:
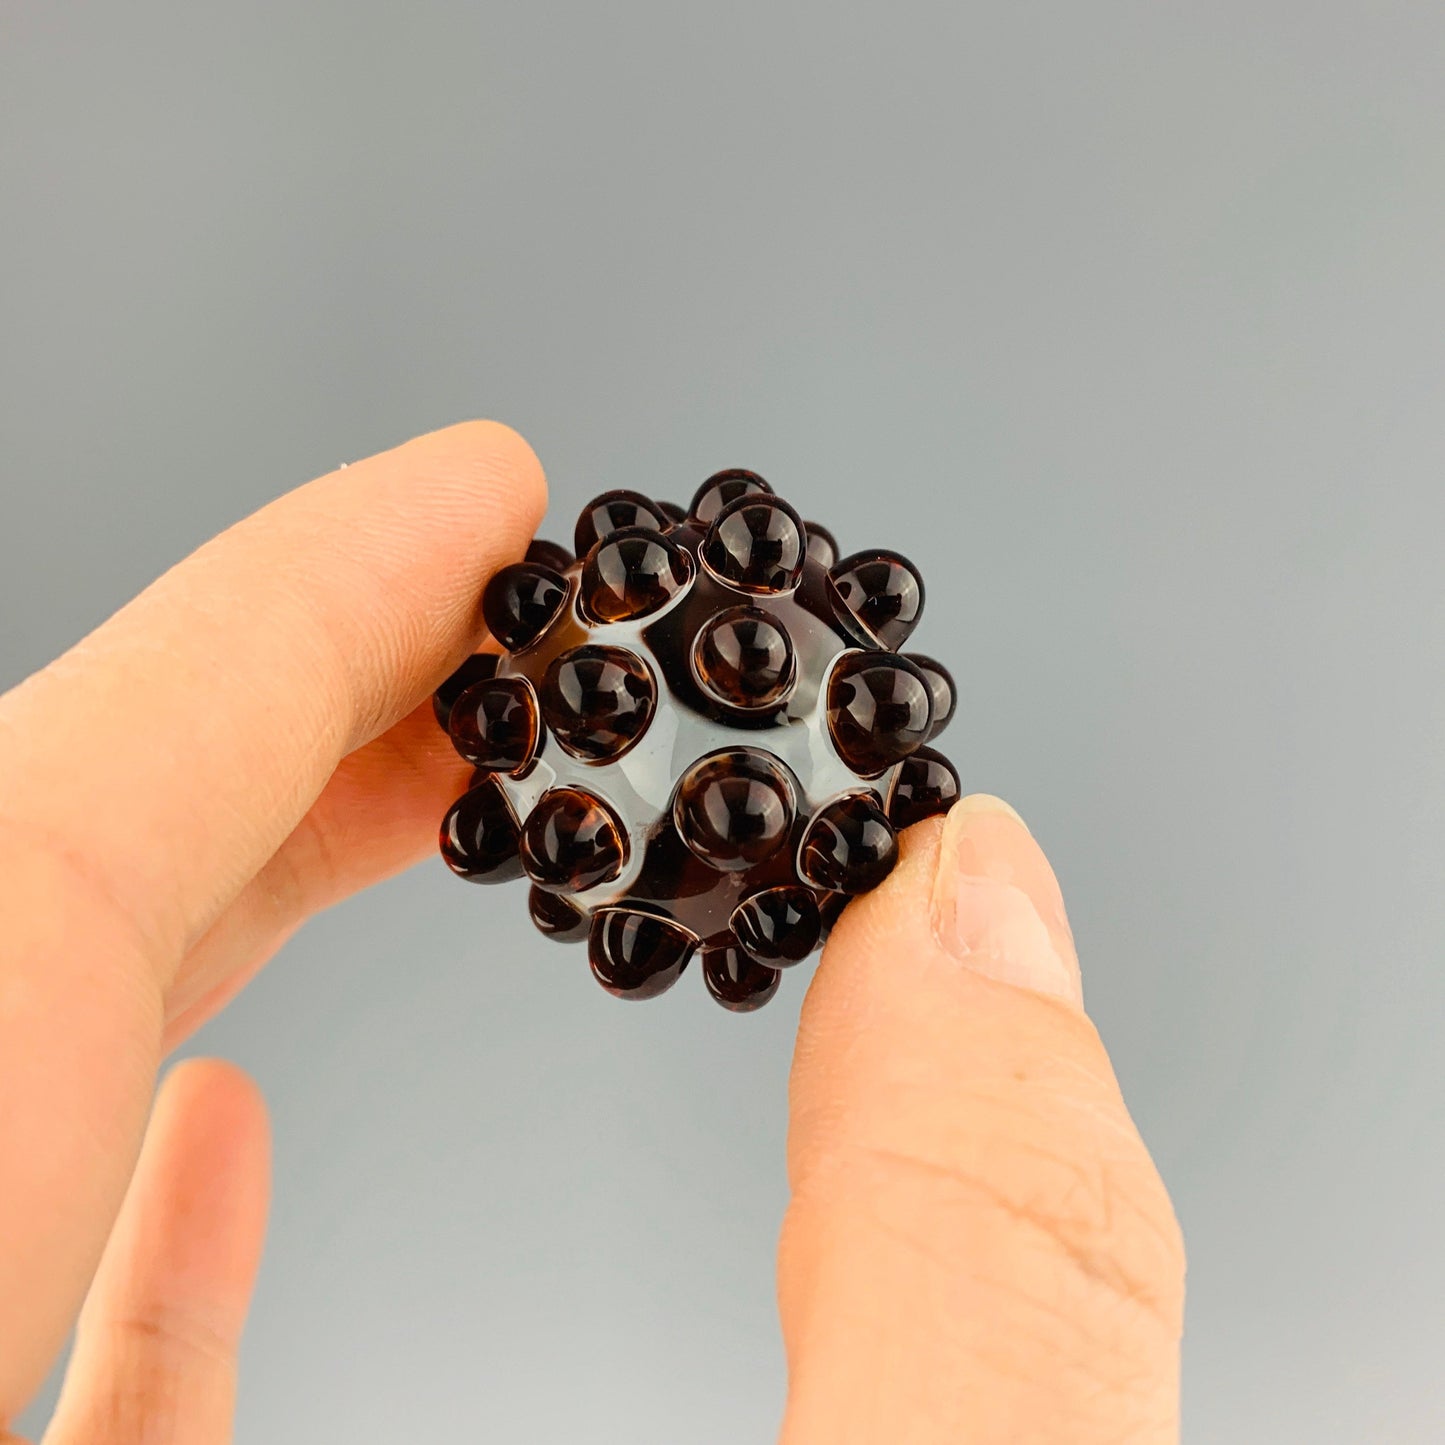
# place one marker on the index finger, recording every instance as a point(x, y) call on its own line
point(148, 773)
point(165, 757)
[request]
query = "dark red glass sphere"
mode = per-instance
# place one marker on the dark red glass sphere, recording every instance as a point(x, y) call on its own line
point(700, 736)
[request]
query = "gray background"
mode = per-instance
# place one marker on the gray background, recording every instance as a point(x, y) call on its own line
point(1124, 320)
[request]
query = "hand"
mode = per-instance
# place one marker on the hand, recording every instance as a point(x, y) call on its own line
point(978, 1247)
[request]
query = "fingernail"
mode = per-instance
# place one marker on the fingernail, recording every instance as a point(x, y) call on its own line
point(996, 903)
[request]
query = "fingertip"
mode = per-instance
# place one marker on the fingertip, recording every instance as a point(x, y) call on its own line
point(207, 1155)
point(988, 803)
point(425, 525)
point(961, 959)
point(208, 1151)
point(157, 1337)
point(188, 1239)
point(996, 903)
point(964, 1169)
point(217, 1099)
point(490, 451)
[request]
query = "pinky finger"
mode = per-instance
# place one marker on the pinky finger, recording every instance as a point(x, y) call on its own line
point(155, 1348)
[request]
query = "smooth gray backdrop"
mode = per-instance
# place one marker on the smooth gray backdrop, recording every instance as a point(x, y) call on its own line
point(1124, 320)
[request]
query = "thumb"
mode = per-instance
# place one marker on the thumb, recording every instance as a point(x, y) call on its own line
point(978, 1246)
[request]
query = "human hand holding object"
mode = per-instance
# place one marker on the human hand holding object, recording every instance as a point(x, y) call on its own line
point(977, 1246)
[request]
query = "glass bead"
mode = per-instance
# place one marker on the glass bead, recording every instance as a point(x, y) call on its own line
point(700, 735)
point(637, 955)
point(879, 710)
point(756, 543)
point(549, 554)
point(611, 513)
point(479, 836)
point(736, 981)
point(778, 926)
point(597, 701)
point(941, 686)
point(822, 545)
point(883, 591)
point(734, 808)
point(477, 668)
point(849, 846)
point(632, 574)
point(493, 724)
point(926, 787)
point(521, 602)
point(722, 488)
point(554, 916)
point(744, 659)
point(571, 841)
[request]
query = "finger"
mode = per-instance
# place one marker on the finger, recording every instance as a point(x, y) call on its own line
point(222, 699)
point(155, 1350)
point(977, 1243)
point(376, 816)
point(147, 776)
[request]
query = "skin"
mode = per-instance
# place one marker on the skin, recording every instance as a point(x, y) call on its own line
point(977, 1247)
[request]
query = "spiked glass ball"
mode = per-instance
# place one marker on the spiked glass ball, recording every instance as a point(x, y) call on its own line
point(700, 738)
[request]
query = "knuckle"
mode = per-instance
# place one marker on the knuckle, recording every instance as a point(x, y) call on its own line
point(1118, 1234)
point(307, 873)
point(157, 1363)
point(171, 1338)
point(1079, 1197)
point(1026, 1275)
point(42, 866)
